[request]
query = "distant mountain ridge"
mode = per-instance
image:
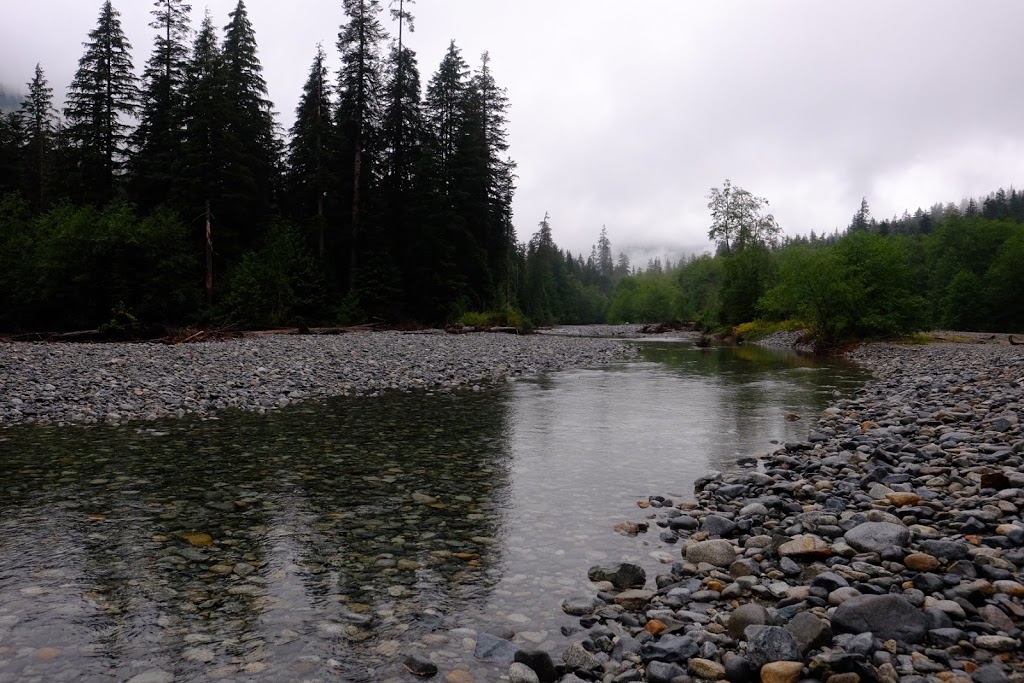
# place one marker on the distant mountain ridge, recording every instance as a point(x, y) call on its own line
point(9, 101)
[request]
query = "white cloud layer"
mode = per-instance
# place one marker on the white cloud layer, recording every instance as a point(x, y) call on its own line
point(625, 114)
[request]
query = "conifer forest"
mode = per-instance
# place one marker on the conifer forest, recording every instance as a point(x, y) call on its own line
point(165, 194)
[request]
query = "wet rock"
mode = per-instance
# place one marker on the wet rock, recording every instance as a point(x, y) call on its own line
point(490, 648)
point(520, 673)
point(998, 643)
point(885, 616)
point(581, 605)
point(990, 673)
point(715, 525)
point(804, 545)
point(809, 631)
point(781, 672)
point(540, 662)
point(153, 676)
point(669, 648)
point(664, 672)
point(717, 552)
point(706, 669)
point(770, 644)
point(419, 665)
point(634, 599)
point(877, 537)
point(577, 658)
point(749, 614)
point(621, 576)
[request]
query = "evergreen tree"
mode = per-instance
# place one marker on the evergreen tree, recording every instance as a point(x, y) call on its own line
point(497, 234)
point(103, 95)
point(157, 139)
point(445, 108)
point(40, 121)
point(605, 265)
point(206, 112)
point(862, 219)
point(311, 150)
point(252, 150)
point(359, 113)
point(418, 252)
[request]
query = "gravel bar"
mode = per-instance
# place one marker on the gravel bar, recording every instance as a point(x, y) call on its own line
point(888, 546)
point(116, 383)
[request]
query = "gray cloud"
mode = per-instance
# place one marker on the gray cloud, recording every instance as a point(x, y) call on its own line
point(626, 114)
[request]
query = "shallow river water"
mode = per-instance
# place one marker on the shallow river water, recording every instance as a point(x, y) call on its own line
point(325, 541)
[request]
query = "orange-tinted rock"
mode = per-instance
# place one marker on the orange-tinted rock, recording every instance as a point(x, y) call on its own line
point(920, 562)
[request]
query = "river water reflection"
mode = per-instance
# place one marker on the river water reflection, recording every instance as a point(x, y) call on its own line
point(327, 540)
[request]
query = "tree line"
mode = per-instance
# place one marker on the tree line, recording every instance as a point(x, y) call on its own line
point(174, 197)
point(956, 266)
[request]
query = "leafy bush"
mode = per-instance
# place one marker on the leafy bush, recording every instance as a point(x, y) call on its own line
point(645, 298)
point(277, 284)
point(510, 317)
point(861, 287)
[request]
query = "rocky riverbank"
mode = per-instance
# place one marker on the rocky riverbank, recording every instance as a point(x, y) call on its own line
point(115, 383)
point(887, 546)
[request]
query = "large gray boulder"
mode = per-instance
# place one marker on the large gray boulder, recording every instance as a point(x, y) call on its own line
point(718, 552)
point(770, 644)
point(622, 575)
point(877, 537)
point(885, 616)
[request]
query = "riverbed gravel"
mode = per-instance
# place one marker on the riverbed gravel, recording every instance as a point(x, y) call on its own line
point(116, 383)
point(886, 546)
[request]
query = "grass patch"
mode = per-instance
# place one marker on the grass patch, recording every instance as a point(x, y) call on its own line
point(510, 317)
point(758, 329)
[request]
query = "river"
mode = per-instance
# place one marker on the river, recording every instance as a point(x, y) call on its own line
point(327, 540)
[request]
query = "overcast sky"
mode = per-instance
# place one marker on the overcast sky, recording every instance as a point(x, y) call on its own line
point(625, 114)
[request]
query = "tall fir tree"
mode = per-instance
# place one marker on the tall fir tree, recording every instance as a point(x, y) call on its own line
point(206, 114)
point(419, 254)
point(359, 117)
point(252, 149)
point(40, 121)
point(102, 98)
point(497, 234)
point(312, 147)
point(445, 109)
point(157, 139)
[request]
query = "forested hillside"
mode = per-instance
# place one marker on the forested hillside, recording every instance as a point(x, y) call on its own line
point(956, 266)
point(175, 198)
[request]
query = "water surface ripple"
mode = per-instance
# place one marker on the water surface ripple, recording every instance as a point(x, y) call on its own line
point(324, 541)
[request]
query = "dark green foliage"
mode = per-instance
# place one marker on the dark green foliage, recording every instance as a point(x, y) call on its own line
point(157, 138)
point(73, 265)
point(312, 153)
point(252, 152)
point(646, 298)
point(360, 86)
point(861, 287)
point(102, 97)
point(280, 283)
point(700, 281)
point(12, 145)
point(40, 121)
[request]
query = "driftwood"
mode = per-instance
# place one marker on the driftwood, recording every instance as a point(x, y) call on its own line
point(1014, 342)
point(469, 329)
point(661, 328)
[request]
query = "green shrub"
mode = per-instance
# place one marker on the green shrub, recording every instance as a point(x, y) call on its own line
point(276, 284)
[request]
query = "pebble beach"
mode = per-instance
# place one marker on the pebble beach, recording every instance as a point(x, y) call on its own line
point(117, 383)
